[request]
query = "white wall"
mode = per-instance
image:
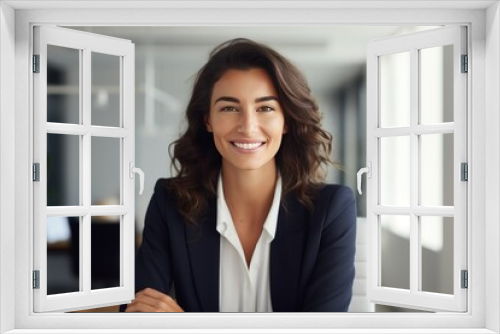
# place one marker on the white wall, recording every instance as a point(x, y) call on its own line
point(492, 275)
point(7, 167)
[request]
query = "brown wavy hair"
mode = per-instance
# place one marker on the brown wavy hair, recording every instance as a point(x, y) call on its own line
point(305, 149)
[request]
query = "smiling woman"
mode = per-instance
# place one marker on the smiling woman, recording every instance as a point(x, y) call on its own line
point(248, 224)
point(247, 125)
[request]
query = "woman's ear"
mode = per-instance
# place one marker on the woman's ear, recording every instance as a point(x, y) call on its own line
point(285, 129)
point(207, 123)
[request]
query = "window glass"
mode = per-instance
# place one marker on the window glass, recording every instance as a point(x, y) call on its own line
point(395, 171)
point(63, 170)
point(395, 90)
point(436, 84)
point(436, 170)
point(436, 237)
point(105, 252)
point(106, 171)
point(63, 85)
point(63, 253)
point(395, 251)
point(105, 90)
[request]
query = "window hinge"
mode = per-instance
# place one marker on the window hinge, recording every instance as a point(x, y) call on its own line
point(36, 172)
point(464, 171)
point(465, 64)
point(465, 279)
point(36, 279)
point(36, 63)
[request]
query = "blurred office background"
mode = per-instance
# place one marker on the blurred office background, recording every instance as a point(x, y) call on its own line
point(166, 61)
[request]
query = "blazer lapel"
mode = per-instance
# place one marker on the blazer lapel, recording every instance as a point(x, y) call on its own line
point(204, 252)
point(287, 251)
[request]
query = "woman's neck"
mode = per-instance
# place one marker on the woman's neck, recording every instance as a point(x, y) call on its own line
point(251, 188)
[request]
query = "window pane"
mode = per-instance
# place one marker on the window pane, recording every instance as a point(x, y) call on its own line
point(105, 90)
point(395, 171)
point(436, 84)
point(105, 252)
point(63, 170)
point(436, 177)
point(395, 90)
point(63, 254)
point(63, 85)
point(395, 251)
point(436, 235)
point(105, 171)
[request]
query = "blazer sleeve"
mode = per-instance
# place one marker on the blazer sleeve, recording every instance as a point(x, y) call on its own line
point(153, 266)
point(330, 286)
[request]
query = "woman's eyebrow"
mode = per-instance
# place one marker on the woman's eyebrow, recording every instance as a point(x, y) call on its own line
point(266, 98)
point(227, 99)
point(257, 100)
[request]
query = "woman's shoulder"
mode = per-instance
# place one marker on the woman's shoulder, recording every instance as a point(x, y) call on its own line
point(334, 191)
point(163, 201)
point(334, 201)
point(334, 198)
point(164, 192)
point(163, 186)
point(324, 195)
point(167, 190)
point(168, 202)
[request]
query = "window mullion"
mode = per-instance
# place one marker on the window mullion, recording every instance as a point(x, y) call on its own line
point(442, 211)
point(85, 274)
point(414, 171)
point(123, 165)
point(81, 161)
point(417, 129)
point(85, 235)
point(435, 128)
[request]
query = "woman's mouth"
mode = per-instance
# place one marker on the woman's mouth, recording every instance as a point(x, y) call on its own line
point(248, 146)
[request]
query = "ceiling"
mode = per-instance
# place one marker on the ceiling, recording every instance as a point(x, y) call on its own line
point(328, 55)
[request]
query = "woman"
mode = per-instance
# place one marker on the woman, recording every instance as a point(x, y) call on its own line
point(247, 224)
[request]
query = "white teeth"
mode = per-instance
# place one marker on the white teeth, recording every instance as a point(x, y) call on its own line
point(247, 146)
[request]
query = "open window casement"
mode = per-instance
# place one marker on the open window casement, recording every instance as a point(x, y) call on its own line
point(417, 171)
point(69, 131)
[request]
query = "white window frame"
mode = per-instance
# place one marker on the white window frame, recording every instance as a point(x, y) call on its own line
point(85, 44)
point(412, 44)
point(16, 127)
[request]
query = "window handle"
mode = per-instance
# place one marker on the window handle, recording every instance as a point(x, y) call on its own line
point(133, 170)
point(367, 170)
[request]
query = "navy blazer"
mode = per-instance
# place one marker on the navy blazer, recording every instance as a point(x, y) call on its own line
point(312, 254)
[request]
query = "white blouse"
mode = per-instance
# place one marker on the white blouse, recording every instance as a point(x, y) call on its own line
point(243, 288)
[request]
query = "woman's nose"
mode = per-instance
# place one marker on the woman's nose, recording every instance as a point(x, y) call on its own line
point(248, 122)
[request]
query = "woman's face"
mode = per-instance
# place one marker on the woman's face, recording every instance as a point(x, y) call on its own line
point(246, 119)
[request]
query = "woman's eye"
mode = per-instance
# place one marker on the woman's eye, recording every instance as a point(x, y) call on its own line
point(266, 108)
point(228, 108)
